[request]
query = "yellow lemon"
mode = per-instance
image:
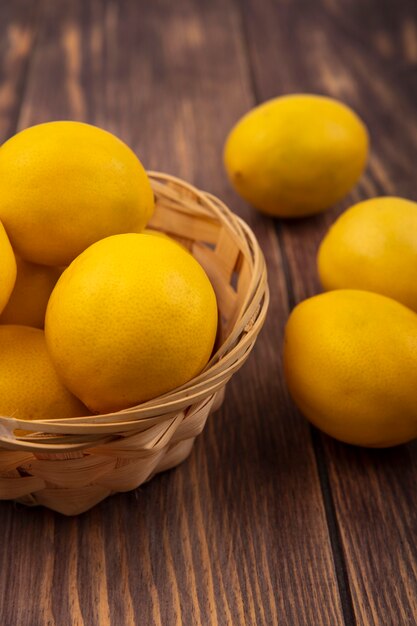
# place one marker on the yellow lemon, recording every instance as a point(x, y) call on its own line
point(29, 385)
point(132, 317)
point(350, 361)
point(65, 185)
point(33, 286)
point(296, 155)
point(373, 246)
point(7, 268)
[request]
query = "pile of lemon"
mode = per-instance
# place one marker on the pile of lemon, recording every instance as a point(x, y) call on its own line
point(96, 315)
point(350, 355)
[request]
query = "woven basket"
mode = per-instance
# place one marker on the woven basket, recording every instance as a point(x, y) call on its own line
point(69, 465)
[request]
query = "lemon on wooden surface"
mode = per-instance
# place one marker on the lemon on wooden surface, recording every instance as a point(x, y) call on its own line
point(132, 317)
point(65, 185)
point(350, 365)
point(7, 268)
point(30, 295)
point(296, 155)
point(29, 385)
point(373, 246)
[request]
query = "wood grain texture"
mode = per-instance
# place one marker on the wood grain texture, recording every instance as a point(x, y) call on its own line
point(267, 522)
point(238, 534)
point(18, 21)
point(364, 54)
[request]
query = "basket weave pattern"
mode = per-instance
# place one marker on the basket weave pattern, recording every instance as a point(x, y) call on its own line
point(69, 465)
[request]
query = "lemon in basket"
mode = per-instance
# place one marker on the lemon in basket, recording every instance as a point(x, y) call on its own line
point(30, 295)
point(133, 317)
point(65, 185)
point(7, 268)
point(29, 385)
point(296, 155)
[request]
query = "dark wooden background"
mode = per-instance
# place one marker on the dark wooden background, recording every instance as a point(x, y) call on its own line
point(268, 522)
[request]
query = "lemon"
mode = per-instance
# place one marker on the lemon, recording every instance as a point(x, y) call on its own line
point(373, 246)
point(29, 385)
point(7, 268)
point(132, 317)
point(29, 298)
point(65, 185)
point(351, 367)
point(296, 155)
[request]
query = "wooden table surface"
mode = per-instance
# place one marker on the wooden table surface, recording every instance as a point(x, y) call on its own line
point(268, 522)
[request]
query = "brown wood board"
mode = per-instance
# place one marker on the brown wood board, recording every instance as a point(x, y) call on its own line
point(366, 55)
point(265, 523)
point(220, 540)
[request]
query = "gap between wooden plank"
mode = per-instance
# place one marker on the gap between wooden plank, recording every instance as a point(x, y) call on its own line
point(323, 474)
point(322, 470)
point(334, 530)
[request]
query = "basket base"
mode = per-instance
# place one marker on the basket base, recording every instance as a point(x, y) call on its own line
point(71, 502)
point(111, 474)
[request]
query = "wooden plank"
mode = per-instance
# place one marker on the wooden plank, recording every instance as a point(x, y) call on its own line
point(236, 535)
point(18, 22)
point(17, 31)
point(365, 54)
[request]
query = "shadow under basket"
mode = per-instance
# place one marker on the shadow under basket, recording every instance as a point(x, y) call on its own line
point(69, 465)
